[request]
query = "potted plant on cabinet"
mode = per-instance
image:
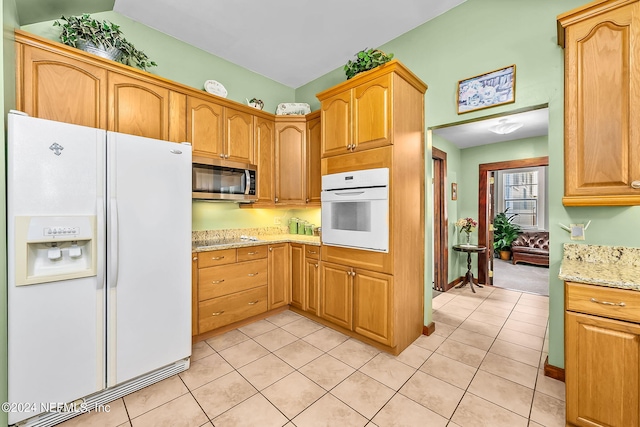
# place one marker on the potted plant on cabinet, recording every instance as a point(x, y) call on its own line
point(504, 233)
point(366, 60)
point(101, 38)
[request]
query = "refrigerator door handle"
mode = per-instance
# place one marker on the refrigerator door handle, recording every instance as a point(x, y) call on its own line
point(100, 233)
point(113, 280)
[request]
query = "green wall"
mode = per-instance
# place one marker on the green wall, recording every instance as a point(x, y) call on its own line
point(483, 35)
point(187, 64)
point(8, 100)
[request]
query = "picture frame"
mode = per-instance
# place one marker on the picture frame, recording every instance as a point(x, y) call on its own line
point(487, 90)
point(454, 191)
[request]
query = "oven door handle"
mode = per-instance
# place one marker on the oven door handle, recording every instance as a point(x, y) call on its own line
point(352, 193)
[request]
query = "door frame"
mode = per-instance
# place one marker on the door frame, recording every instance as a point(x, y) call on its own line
point(440, 221)
point(483, 205)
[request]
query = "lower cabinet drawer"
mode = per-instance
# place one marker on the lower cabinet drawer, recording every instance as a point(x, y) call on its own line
point(228, 279)
point(228, 309)
point(620, 304)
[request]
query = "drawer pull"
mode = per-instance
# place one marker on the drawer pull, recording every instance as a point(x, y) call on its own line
point(253, 274)
point(217, 258)
point(217, 313)
point(254, 302)
point(253, 253)
point(195, 258)
point(316, 265)
point(635, 184)
point(215, 282)
point(312, 252)
point(617, 304)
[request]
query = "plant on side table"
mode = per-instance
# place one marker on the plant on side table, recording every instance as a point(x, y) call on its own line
point(504, 233)
point(101, 38)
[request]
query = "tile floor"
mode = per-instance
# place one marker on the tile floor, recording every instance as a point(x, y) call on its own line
point(482, 367)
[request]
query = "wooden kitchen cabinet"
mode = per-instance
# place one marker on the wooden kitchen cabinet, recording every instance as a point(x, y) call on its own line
point(314, 155)
point(265, 161)
point(205, 127)
point(602, 79)
point(61, 88)
point(312, 279)
point(238, 136)
point(602, 356)
point(373, 305)
point(290, 149)
point(336, 294)
point(359, 117)
point(278, 275)
point(297, 275)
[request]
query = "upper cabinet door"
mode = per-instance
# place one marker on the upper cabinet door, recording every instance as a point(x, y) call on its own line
point(602, 81)
point(239, 141)
point(290, 163)
point(205, 124)
point(60, 88)
point(336, 124)
point(265, 160)
point(372, 113)
point(314, 154)
point(137, 107)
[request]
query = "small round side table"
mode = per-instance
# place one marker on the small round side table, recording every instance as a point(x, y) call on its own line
point(469, 249)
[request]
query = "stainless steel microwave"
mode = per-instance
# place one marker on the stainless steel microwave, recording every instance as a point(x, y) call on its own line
point(223, 180)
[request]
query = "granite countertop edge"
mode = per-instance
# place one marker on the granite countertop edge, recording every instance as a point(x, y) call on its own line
point(262, 240)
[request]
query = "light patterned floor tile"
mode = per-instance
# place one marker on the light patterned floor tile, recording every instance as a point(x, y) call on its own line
point(385, 369)
point(527, 309)
point(404, 412)
point(275, 339)
point(474, 411)
point(154, 395)
point(529, 318)
point(205, 370)
point(507, 394)
point(431, 342)
point(473, 339)
point(414, 356)
point(227, 340)
point(265, 371)
point(464, 353)
point(432, 393)
point(302, 327)
point(329, 411)
point(325, 339)
point(293, 394)
point(443, 329)
point(255, 411)
point(200, 350)
point(530, 341)
point(488, 318)
point(550, 386)
point(515, 352)
point(480, 327)
point(449, 370)
point(515, 371)
point(183, 411)
point(363, 393)
point(441, 316)
point(243, 353)
point(527, 328)
point(298, 353)
point(326, 371)
point(254, 329)
point(223, 394)
point(354, 353)
point(548, 411)
point(284, 318)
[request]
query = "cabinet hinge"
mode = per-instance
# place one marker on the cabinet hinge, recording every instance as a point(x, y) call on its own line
point(491, 227)
point(490, 273)
point(492, 180)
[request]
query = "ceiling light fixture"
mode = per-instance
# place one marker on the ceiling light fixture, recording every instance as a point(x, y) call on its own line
point(503, 127)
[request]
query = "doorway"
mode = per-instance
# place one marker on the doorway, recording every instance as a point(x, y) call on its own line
point(486, 204)
point(440, 222)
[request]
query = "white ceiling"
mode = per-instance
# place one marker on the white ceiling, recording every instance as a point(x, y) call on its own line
point(290, 41)
point(472, 134)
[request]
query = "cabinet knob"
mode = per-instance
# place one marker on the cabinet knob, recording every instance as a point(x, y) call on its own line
point(315, 265)
point(635, 184)
point(217, 313)
point(221, 156)
point(276, 200)
point(307, 201)
point(270, 249)
point(195, 258)
point(349, 147)
point(226, 156)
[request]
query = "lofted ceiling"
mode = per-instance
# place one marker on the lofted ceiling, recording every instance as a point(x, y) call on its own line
point(290, 41)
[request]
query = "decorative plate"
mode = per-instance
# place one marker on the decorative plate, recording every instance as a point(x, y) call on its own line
point(215, 88)
point(289, 108)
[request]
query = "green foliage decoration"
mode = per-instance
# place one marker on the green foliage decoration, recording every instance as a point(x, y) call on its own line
point(504, 231)
point(103, 35)
point(366, 60)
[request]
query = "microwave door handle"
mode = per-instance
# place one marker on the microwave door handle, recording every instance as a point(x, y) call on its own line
point(247, 182)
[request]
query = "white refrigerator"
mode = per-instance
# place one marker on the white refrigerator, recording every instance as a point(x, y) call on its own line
point(99, 266)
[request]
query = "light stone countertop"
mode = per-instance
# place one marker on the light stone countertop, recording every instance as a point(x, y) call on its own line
point(612, 266)
point(202, 242)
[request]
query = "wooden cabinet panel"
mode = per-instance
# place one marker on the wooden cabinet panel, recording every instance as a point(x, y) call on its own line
point(297, 276)
point(227, 279)
point(617, 304)
point(314, 154)
point(312, 285)
point(373, 305)
point(205, 124)
point(370, 159)
point(336, 294)
point(265, 160)
point(312, 252)
point(278, 275)
point(290, 163)
point(602, 369)
point(252, 252)
point(336, 124)
point(63, 89)
point(228, 309)
point(137, 107)
point(602, 88)
point(239, 136)
point(372, 113)
point(373, 261)
point(212, 258)
point(177, 117)
point(194, 294)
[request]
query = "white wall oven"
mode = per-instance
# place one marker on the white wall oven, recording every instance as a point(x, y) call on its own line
point(355, 209)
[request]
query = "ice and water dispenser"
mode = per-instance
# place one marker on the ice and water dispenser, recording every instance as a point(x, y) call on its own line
point(52, 248)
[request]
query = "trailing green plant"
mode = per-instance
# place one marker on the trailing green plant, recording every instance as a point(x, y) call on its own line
point(103, 34)
point(366, 59)
point(504, 231)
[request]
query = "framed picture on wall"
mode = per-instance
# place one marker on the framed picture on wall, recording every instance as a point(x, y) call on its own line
point(487, 90)
point(454, 191)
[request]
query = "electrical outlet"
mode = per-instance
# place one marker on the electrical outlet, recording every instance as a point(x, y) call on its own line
point(277, 220)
